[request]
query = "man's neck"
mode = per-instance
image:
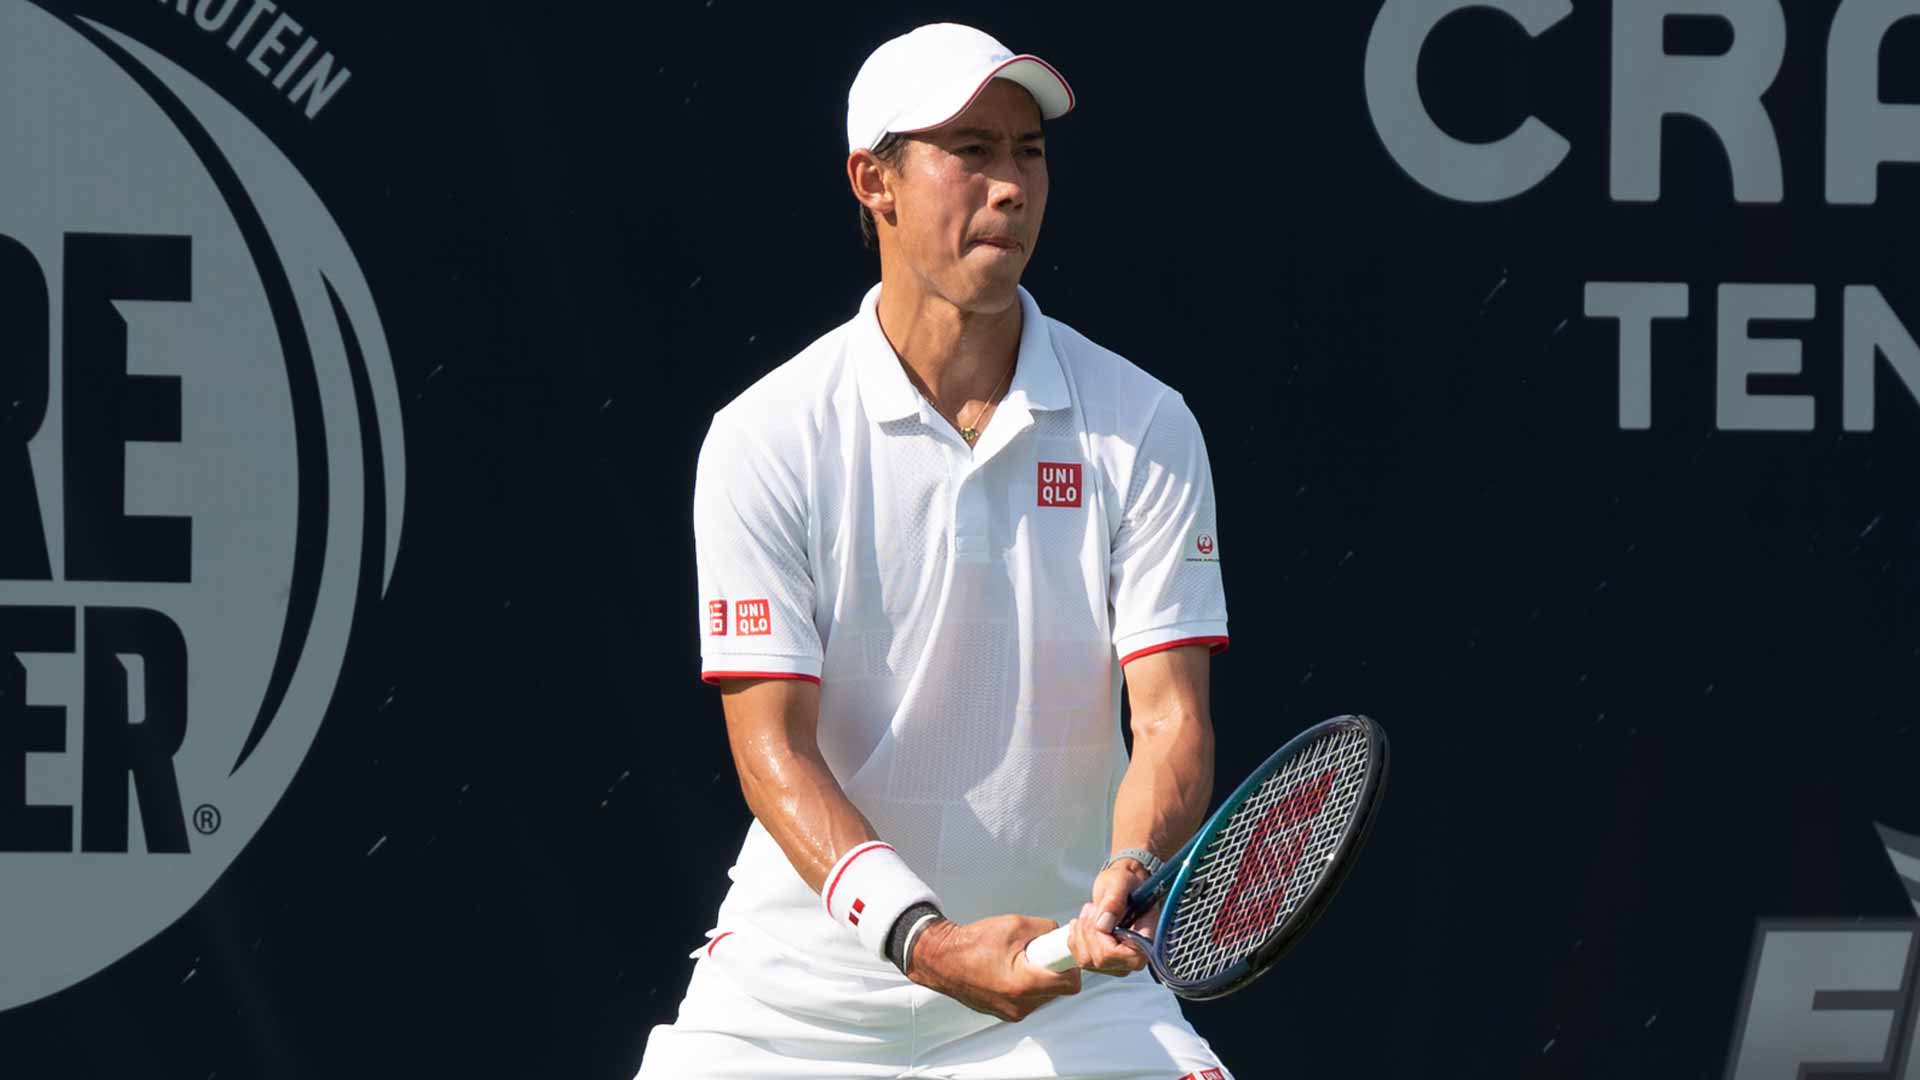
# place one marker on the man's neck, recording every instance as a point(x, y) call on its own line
point(958, 358)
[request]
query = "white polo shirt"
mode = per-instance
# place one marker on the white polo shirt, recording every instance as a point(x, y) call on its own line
point(966, 611)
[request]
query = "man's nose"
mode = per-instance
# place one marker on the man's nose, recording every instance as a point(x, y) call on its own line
point(1006, 191)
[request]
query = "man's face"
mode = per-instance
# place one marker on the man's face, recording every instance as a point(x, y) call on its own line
point(969, 197)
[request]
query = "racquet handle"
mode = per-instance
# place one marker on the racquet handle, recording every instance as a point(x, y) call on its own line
point(1050, 950)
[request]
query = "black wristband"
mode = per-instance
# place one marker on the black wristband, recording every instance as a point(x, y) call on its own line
point(902, 926)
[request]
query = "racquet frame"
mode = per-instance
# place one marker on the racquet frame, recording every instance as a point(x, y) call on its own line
point(1178, 872)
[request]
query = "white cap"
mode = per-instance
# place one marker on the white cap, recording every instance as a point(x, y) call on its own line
point(928, 76)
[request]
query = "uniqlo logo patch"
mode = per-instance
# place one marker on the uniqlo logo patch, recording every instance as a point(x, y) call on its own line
point(854, 915)
point(1059, 483)
point(751, 617)
point(717, 618)
point(1205, 1074)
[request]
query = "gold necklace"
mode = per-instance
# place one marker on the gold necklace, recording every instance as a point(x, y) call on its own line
point(970, 432)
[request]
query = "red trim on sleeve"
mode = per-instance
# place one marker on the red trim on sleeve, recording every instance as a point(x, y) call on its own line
point(1215, 646)
point(717, 939)
point(870, 845)
point(712, 678)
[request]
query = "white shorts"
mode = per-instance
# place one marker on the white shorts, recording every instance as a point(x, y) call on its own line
point(845, 1025)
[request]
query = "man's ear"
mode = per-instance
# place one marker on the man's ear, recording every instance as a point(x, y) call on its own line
point(871, 182)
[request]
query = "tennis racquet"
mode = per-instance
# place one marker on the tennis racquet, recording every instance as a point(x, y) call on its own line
point(1262, 868)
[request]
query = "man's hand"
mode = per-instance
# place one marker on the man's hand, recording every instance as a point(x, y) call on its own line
point(1091, 938)
point(983, 965)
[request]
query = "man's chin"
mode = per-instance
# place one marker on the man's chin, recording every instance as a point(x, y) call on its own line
point(994, 292)
point(978, 290)
point(995, 301)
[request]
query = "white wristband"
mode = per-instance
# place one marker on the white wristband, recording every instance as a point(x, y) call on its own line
point(868, 889)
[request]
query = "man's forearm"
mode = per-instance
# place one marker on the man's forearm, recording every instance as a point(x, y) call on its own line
point(864, 884)
point(799, 802)
point(1163, 796)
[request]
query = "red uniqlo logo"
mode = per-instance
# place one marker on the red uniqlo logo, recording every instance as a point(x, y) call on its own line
point(717, 618)
point(751, 617)
point(1212, 1074)
point(1059, 483)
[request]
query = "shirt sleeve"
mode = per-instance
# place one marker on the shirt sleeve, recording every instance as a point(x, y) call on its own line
point(1164, 577)
point(750, 529)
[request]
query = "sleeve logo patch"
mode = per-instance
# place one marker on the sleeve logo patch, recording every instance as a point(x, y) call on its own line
point(1204, 548)
point(717, 618)
point(1059, 483)
point(752, 617)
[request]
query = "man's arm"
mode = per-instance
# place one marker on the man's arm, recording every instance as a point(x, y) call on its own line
point(1162, 799)
point(772, 726)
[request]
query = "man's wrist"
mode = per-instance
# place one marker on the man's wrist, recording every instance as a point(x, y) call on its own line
point(924, 965)
point(866, 891)
point(906, 930)
point(1147, 862)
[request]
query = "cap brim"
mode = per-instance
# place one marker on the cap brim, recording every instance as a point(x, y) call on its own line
point(1049, 89)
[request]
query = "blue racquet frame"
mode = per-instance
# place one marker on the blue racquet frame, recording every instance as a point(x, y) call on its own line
point(1175, 878)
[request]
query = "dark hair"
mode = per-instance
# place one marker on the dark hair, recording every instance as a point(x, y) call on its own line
point(892, 149)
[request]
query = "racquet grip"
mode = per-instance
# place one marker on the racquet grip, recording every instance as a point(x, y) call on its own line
point(1050, 950)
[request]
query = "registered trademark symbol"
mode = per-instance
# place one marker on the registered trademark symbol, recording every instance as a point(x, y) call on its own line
point(238, 469)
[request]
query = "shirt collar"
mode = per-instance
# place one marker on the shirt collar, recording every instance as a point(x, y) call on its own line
point(887, 393)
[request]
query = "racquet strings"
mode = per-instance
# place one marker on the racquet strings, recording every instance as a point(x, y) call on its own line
point(1256, 872)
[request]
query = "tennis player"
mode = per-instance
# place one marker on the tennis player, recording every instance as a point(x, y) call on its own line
point(933, 549)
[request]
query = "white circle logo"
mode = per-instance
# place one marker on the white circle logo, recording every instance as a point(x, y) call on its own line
point(201, 480)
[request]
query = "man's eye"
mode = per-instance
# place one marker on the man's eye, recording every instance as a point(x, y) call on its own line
point(1034, 152)
point(973, 149)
